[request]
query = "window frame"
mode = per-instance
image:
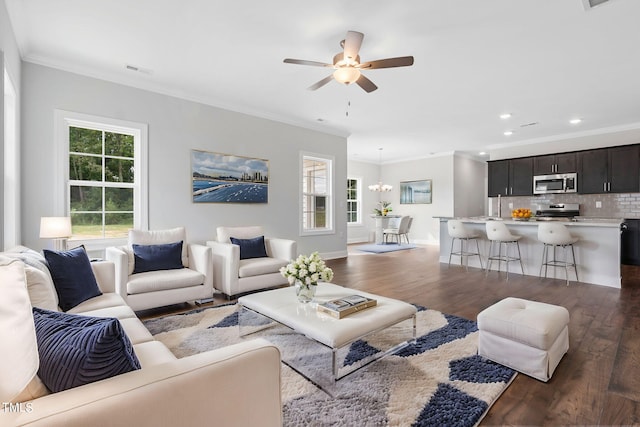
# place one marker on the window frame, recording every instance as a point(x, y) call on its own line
point(358, 200)
point(66, 119)
point(330, 194)
point(11, 223)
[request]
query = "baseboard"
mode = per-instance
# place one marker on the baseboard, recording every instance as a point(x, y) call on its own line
point(334, 254)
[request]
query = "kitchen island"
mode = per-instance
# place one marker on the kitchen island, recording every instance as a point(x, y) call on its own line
point(597, 251)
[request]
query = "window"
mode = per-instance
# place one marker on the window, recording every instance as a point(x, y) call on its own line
point(354, 186)
point(317, 198)
point(104, 170)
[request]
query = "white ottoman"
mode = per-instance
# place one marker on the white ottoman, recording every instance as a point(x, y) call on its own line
point(530, 337)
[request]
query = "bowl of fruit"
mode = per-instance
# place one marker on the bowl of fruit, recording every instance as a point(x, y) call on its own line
point(521, 214)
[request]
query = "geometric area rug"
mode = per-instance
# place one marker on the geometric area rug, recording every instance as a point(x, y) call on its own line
point(437, 381)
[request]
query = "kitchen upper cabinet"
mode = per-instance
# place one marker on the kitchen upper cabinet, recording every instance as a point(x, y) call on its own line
point(624, 165)
point(513, 177)
point(498, 178)
point(609, 170)
point(555, 163)
point(521, 177)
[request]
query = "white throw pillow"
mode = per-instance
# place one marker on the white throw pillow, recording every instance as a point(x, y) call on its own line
point(158, 237)
point(42, 293)
point(20, 359)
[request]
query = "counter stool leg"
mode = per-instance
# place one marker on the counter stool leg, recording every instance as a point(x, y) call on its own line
point(463, 248)
point(506, 258)
point(480, 256)
point(488, 263)
point(453, 243)
point(544, 258)
point(575, 265)
point(520, 258)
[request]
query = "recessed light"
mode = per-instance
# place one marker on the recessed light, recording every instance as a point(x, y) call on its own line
point(575, 121)
point(483, 153)
point(505, 116)
point(137, 69)
point(508, 133)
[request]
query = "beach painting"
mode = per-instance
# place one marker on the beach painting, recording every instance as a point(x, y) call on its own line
point(415, 191)
point(226, 178)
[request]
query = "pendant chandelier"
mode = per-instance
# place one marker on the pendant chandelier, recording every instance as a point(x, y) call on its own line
point(380, 187)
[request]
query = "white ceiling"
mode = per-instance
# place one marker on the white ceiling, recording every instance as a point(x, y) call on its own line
point(544, 61)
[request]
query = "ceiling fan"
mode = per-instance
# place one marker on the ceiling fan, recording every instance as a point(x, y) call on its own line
point(348, 67)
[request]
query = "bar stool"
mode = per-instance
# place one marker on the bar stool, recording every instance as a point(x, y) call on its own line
point(457, 231)
point(554, 234)
point(499, 233)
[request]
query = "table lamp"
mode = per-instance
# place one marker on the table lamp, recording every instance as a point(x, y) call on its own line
point(57, 228)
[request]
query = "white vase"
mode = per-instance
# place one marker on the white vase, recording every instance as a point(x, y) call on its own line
point(304, 292)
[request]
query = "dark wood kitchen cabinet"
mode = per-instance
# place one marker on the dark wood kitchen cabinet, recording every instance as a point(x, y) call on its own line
point(498, 178)
point(555, 163)
point(609, 170)
point(630, 242)
point(513, 177)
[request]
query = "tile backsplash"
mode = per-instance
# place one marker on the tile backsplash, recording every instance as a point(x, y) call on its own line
point(618, 205)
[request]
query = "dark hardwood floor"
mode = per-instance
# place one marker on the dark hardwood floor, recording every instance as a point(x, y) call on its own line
point(597, 381)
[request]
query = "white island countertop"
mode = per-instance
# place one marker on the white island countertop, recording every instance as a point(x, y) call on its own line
point(597, 250)
point(578, 221)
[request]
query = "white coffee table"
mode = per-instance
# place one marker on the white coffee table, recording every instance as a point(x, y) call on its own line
point(282, 306)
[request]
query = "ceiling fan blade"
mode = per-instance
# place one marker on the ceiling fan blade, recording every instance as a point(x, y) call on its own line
point(402, 61)
point(305, 62)
point(366, 84)
point(352, 44)
point(321, 83)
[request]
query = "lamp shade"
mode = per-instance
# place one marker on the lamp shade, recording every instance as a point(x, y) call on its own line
point(346, 75)
point(55, 227)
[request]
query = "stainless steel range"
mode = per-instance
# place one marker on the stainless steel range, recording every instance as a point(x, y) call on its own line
point(557, 212)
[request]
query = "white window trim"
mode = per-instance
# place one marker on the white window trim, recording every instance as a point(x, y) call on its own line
point(64, 120)
point(11, 155)
point(358, 200)
point(330, 229)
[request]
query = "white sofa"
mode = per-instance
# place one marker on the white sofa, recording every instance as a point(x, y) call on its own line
point(238, 385)
point(151, 289)
point(234, 276)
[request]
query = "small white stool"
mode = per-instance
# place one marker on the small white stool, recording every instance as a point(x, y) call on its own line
point(457, 231)
point(554, 234)
point(530, 337)
point(499, 233)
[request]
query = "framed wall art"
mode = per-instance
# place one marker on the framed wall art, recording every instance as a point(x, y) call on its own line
point(415, 191)
point(226, 178)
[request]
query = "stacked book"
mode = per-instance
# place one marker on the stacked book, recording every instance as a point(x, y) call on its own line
point(344, 306)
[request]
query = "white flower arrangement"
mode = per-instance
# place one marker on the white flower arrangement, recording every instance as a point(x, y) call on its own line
point(307, 269)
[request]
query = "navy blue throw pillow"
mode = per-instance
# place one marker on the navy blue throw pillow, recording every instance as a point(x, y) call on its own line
point(250, 248)
point(157, 257)
point(75, 350)
point(72, 276)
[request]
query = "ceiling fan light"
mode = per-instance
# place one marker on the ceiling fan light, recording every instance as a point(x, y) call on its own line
point(346, 75)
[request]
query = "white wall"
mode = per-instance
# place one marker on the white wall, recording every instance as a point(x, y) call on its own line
point(176, 127)
point(9, 59)
point(440, 169)
point(470, 189)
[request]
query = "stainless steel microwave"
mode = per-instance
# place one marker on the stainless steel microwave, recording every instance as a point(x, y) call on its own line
point(560, 183)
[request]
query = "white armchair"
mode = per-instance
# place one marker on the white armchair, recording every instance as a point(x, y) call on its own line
point(158, 288)
point(234, 276)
